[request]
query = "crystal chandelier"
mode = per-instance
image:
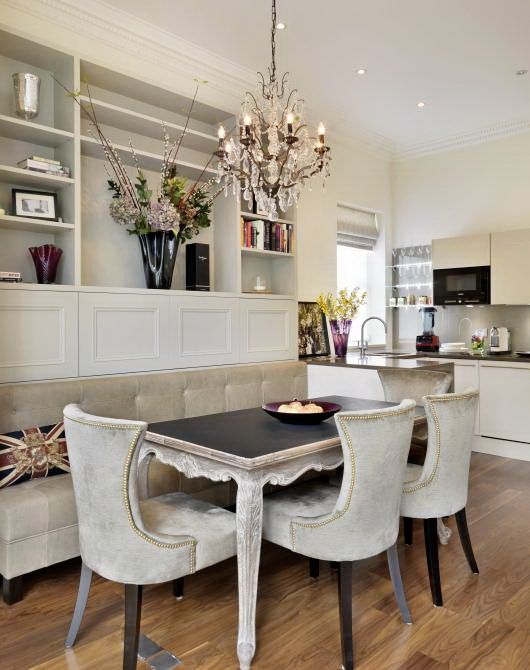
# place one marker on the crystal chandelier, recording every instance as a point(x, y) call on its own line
point(274, 154)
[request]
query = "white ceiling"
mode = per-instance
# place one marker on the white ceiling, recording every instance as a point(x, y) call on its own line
point(459, 56)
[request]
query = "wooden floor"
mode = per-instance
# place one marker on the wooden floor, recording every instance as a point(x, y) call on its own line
point(484, 625)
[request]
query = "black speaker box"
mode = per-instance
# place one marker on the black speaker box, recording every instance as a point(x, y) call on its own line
point(197, 267)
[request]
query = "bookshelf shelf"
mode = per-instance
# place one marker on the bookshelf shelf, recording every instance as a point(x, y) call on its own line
point(9, 222)
point(257, 217)
point(14, 175)
point(33, 133)
point(147, 160)
point(149, 126)
point(265, 252)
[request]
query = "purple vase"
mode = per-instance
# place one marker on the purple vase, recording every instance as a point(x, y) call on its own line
point(46, 259)
point(340, 330)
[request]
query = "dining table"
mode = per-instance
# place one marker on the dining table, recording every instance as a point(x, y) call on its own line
point(253, 449)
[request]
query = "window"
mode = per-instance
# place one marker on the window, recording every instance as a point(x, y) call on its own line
point(352, 272)
point(357, 234)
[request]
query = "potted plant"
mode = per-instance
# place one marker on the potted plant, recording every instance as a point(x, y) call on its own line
point(340, 311)
point(162, 220)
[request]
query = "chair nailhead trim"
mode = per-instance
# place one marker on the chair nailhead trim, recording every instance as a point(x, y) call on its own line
point(192, 544)
point(338, 514)
point(438, 441)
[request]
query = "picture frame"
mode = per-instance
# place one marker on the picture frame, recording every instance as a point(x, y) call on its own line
point(34, 204)
point(313, 339)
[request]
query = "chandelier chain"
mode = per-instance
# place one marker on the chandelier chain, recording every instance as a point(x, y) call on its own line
point(273, 42)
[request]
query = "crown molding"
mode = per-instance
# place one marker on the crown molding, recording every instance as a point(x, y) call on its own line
point(454, 142)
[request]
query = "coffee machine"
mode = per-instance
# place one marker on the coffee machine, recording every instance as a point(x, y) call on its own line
point(499, 340)
point(428, 341)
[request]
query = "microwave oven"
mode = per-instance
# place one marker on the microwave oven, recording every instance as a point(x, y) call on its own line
point(462, 286)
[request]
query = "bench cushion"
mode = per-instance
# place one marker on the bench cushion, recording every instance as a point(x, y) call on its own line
point(38, 525)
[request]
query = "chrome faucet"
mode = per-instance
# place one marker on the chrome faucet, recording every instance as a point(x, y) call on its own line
point(364, 346)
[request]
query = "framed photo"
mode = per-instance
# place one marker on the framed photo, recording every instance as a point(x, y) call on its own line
point(312, 331)
point(35, 204)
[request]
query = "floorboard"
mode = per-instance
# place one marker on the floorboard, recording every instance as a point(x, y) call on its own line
point(484, 625)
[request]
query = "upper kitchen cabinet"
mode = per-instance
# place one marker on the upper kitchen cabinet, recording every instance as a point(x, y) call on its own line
point(510, 268)
point(461, 252)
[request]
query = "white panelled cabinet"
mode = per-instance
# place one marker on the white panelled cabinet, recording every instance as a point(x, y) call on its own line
point(57, 333)
point(505, 401)
point(461, 252)
point(204, 331)
point(38, 335)
point(269, 330)
point(123, 333)
point(510, 268)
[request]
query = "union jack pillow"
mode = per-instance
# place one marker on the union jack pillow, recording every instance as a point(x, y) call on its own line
point(33, 453)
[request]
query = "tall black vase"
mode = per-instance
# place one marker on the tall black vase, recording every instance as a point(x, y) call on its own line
point(159, 253)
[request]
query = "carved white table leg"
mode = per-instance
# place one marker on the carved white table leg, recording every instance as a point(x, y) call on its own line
point(249, 518)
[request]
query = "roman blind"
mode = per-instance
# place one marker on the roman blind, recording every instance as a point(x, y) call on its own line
point(356, 228)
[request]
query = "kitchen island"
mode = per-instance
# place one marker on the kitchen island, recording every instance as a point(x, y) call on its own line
point(353, 375)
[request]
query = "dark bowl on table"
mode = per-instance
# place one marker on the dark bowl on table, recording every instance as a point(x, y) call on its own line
point(311, 418)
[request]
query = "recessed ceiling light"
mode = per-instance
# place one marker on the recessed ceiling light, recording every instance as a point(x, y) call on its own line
point(520, 73)
point(281, 26)
point(420, 104)
point(361, 70)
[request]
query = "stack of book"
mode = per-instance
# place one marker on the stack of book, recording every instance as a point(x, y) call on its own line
point(47, 165)
point(10, 276)
point(267, 236)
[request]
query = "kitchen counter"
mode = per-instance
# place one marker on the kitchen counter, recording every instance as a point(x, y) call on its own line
point(377, 362)
point(501, 358)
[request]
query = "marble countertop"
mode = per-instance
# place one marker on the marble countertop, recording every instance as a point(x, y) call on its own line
point(509, 358)
point(353, 360)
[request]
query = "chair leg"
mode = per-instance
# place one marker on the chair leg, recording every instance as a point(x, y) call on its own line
point(397, 583)
point(431, 549)
point(345, 613)
point(82, 596)
point(133, 609)
point(178, 588)
point(408, 527)
point(12, 590)
point(314, 568)
point(463, 531)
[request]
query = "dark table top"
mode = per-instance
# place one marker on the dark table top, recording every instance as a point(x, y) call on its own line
point(252, 433)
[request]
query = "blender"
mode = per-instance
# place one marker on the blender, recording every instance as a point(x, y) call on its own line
point(428, 341)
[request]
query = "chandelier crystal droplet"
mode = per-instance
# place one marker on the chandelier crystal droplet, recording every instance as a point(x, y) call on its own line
point(274, 153)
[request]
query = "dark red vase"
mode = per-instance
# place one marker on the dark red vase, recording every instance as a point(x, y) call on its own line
point(46, 259)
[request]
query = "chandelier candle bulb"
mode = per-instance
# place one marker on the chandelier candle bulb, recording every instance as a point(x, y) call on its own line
point(290, 119)
point(321, 133)
point(221, 133)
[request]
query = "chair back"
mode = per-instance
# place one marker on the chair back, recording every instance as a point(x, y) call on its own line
point(415, 384)
point(365, 519)
point(104, 464)
point(442, 487)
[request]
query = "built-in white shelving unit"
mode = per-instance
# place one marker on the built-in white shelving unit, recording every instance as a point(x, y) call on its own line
point(97, 252)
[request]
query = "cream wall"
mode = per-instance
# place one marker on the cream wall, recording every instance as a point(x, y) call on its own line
point(479, 188)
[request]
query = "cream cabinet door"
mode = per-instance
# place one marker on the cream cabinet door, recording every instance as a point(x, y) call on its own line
point(38, 335)
point(510, 268)
point(204, 331)
point(269, 330)
point(461, 252)
point(504, 401)
point(123, 332)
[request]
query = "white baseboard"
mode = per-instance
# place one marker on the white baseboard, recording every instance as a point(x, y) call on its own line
point(506, 448)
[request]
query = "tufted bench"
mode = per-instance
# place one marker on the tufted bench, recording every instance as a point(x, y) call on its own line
point(38, 522)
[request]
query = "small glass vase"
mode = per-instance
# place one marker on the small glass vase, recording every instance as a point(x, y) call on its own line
point(340, 331)
point(46, 259)
point(159, 253)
